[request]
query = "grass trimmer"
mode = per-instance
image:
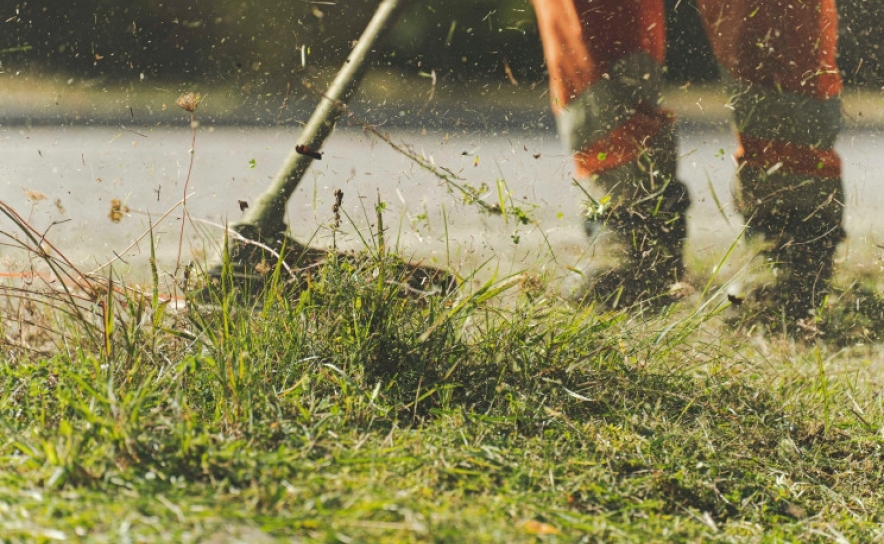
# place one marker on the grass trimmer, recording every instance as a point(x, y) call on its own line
point(263, 226)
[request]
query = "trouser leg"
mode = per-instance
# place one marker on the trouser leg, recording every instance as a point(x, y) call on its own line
point(778, 61)
point(604, 59)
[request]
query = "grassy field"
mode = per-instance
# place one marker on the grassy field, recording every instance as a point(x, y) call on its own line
point(347, 408)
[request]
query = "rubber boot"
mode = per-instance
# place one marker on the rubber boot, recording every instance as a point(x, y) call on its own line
point(801, 220)
point(644, 209)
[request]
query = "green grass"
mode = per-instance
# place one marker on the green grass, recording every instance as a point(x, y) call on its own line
point(352, 410)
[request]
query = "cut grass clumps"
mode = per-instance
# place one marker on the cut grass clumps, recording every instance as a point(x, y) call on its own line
point(350, 406)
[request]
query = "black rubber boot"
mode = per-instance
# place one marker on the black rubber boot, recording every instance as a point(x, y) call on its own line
point(800, 218)
point(651, 234)
point(645, 209)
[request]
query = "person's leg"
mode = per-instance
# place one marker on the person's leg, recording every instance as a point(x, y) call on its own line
point(778, 60)
point(604, 59)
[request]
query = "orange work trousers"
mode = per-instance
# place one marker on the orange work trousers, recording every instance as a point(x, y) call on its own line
point(777, 57)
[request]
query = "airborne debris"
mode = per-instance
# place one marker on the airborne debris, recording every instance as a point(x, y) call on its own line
point(189, 101)
point(304, 150)
point(34, 196)
point(263, 267)
point(509, 73)
point(118, 209)
point(336, 207)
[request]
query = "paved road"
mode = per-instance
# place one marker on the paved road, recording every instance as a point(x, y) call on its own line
point(74, 173)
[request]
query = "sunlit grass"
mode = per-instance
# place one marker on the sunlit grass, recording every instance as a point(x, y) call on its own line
point(347, 407)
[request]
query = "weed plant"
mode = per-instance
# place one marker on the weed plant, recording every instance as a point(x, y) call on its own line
point(347, 407)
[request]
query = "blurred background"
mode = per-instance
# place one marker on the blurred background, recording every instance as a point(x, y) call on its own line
point(258, 43)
